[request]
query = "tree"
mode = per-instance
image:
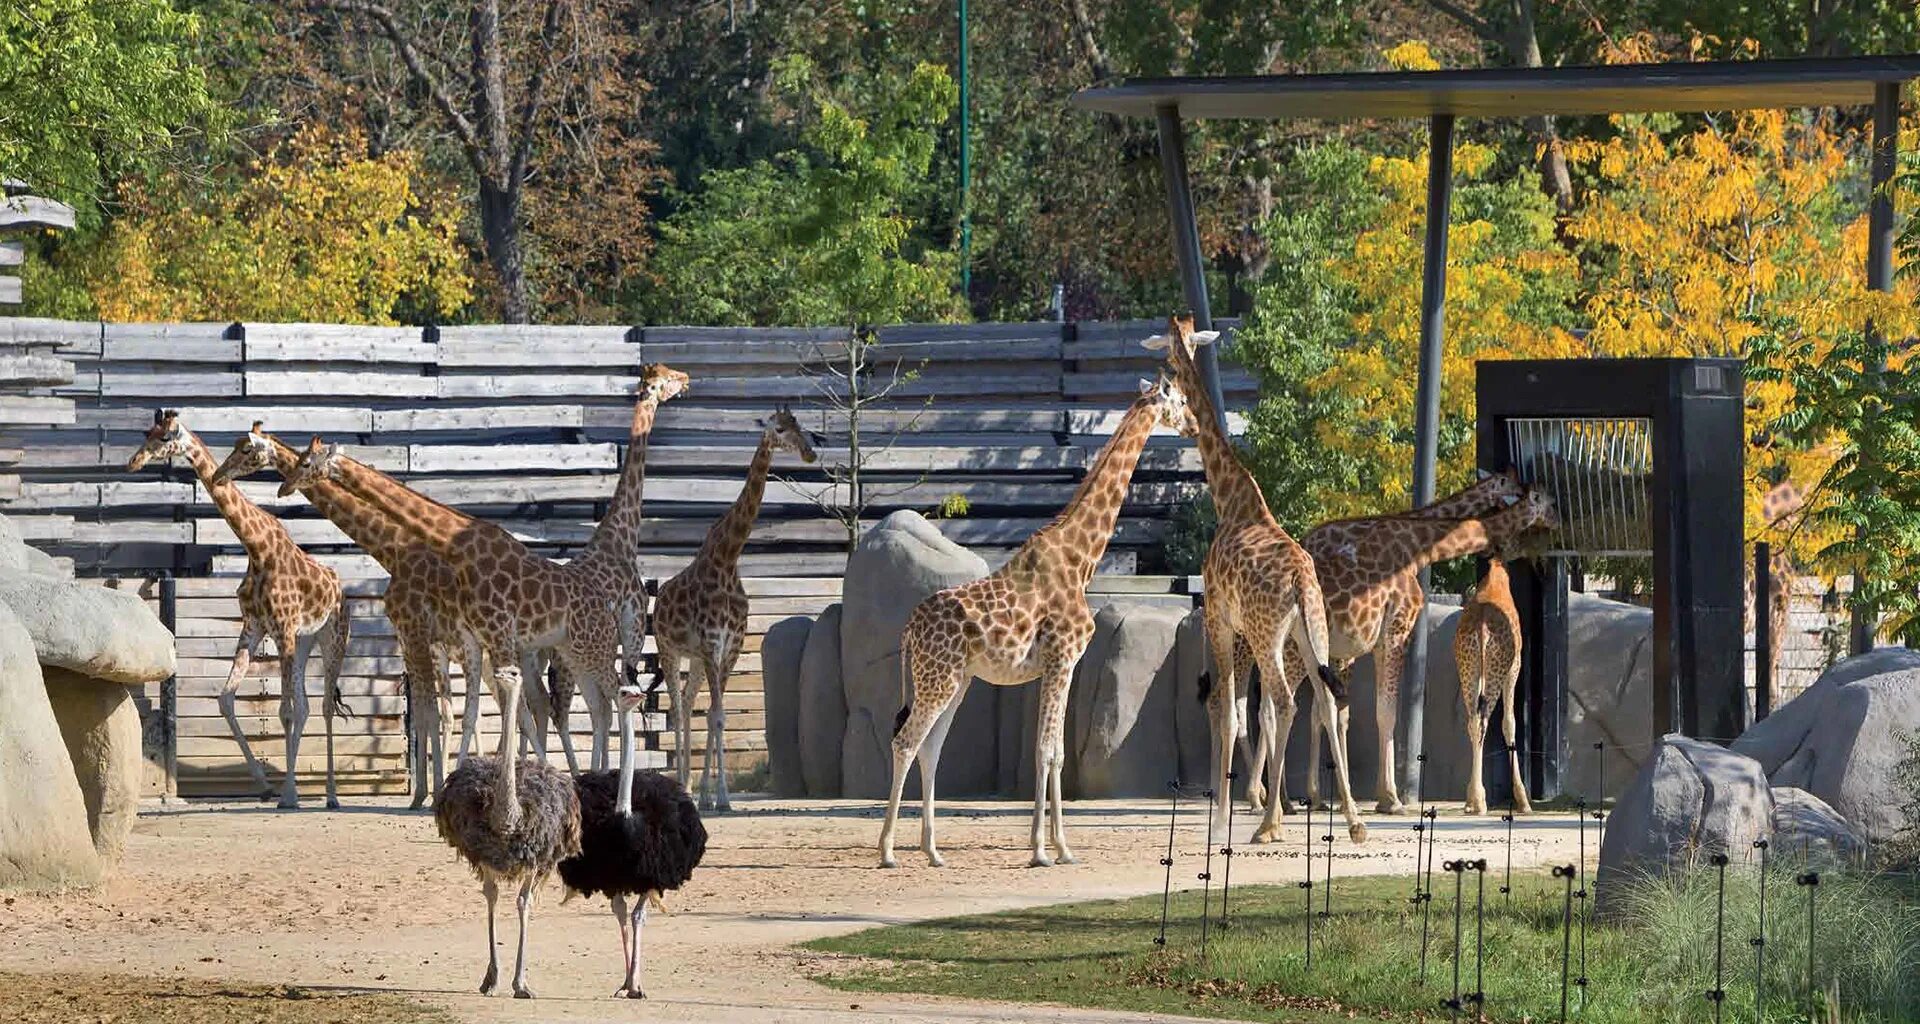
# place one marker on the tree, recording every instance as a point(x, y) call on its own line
point(502, 88)
point(95, 90)
point(317, 231)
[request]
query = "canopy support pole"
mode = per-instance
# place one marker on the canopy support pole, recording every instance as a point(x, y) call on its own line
point(1426, 428)
point(1186, 248)
point(1886, 142)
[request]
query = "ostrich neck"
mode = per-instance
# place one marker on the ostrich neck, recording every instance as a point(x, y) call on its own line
point(623, 804)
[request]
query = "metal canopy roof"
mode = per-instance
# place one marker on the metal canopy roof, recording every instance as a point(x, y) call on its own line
point(1513, 92)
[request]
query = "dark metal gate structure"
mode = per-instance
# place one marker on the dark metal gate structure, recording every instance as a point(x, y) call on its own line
point(1642, 457)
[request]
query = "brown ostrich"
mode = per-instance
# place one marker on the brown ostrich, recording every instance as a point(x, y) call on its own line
point(517, 841)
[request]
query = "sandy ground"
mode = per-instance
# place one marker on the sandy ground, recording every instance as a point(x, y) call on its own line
point(368, 898)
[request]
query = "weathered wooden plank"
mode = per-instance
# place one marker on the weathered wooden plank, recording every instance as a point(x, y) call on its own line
point(131, 531)
point(458, 353)
point(182, 384)
point(1078, 385)
point(34, 212)
point(1101, 422)
point(458, 387)
point(31, 370)
point(650, 336)
point(22, 409)
point(365, 383)
point(10, 487)
point(172, 343)
point(402, 345)
point(769, 354)
point(12, 290)
point(296, 421)
point(688, 415)
point(13, 252)
point(43, 529)
point(478, 418)
point(74, 336)
point(493, 458)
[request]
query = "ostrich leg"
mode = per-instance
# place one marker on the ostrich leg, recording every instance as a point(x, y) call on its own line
point(492, 891)
point(524, 903)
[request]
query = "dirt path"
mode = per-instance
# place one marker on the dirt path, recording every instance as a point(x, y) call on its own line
point(369, 899)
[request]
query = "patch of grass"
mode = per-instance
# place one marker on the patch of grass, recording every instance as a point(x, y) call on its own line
point(1366, 956)
point(71, 996)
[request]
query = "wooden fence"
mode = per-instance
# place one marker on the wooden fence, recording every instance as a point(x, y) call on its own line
point(525, 426)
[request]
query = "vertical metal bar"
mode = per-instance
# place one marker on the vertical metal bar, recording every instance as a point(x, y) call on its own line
point(1186, 248)
point(1886, 141)
point(170, 689)
point(1426, 431)
point(1763, 666)
point(1166, 891)
point(966, 152)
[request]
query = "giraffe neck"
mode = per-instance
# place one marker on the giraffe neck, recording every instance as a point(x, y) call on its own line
point(1436, 540)
point(1236, 496)
point(440, 527)
point(259, 532)
point(1087, 522)
point(383, 538)
point(1463, 503)
point(728, 537)
point(618, 535)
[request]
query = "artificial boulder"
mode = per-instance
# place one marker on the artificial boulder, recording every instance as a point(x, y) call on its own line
point(101, 727)
point(1806, 827)
point(901, 561)
point(780, 653)
point(822, 715)
point(1842, 738)
point(44, 840)
point(1122, 735)
point(1691, 800)
point(88, 629)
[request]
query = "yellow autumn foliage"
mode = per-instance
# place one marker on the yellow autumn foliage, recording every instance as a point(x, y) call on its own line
point(316, 232)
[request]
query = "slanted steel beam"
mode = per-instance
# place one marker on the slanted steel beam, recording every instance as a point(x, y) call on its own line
point(1186, 248)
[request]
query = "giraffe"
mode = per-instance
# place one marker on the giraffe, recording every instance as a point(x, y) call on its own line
point(1374, 600)
point(1027, 620)
point(1343, 537)
point(608, 568)
point(1779, 512)
point(286, 594)
point(1486, 646)
point(517, 602)
point(700, 618)
point(1260, 585)
point(423, 602)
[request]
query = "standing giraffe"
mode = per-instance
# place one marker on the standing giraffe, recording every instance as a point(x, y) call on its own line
point(517, 602)
point(1343, 538)
point(1259, 585)
point(1028, 620)
point(1486, 647)
point(423, 601)
point(1372, 582)
point(700, 618)
point(608, 568)
point(286, 594)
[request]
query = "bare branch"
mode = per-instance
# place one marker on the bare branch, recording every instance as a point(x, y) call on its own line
point(1089, 42)
point(1473, 22)
point(523, 148)
point(389, 25)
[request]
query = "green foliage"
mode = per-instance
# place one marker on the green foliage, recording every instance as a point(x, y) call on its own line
point(820, 234)
point(93, 90)
point(1189, 535)
point(952, 506)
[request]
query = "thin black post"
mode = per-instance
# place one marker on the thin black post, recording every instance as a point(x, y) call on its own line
point(1717, 995)
point(1458, 868)
point(1811, 881)
point(1226, 851)
point(1307, 886)
point(1425, 898)
point(1166, 891)
point(170, 690)
point(1186, 248)
point(1566, 935)
point(1206, 878)
point(1426, 424)
point(1886, 143)
point(1759, 941)
point(1326, 838)
point(1479, 997)
point(1763, 666)
point(1506, 883)
point(1580, 808)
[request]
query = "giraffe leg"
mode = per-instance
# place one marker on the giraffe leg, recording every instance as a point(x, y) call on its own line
point(934, 685)
point(491, 890)
point(1389, 665)
point(473, 674)
point(333, 655)
point(1521, 804)
point(1223, 707)
point(441, 735)
point(1293, 672)
point(1308, 625)
point(1277, 709)
point(1253, 751)
point(1475, 700)
point(930, 749)
point(673, 676)
point(243, 652)
point(695, 681)
point(293, 709)
point(718, 672)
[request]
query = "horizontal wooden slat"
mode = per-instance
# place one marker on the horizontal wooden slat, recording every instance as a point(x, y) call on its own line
point(34, 212)
point(23, 409)
point(367, 383)
point(34, 370)
point(13, 252)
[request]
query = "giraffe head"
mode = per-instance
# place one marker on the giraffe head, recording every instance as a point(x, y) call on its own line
point(1533, 513)
point(660, 383)
point(319, 461)
point(1181, 341)
point(1498, 489)
point(787, 434)
point(251, 454)
point(1171, 404)
point(166, 439)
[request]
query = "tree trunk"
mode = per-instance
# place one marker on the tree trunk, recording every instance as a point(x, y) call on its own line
point(1523, 45)
point(499, 187)
point(500, 232)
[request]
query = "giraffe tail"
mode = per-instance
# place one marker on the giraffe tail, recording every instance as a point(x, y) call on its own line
point(906, 697)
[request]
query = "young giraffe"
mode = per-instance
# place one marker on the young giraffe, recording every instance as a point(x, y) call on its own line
point(286, 594)
point(1344, 538)
point(1259, 585)
point(1374, 599)
point(700, 618)
point(608, 568)
point(518, 602)
point(1486, 646)
point(423, 602)
point(1027, 620)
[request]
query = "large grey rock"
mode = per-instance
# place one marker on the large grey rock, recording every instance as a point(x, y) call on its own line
point(900, 562)
point(1842, 738)
point(101, 727)
point(1805, 826)
point(780, 653)
point(822, 714)
point(13, 550)
point(1192, 659)
point(1122, 733)
point(91, 630)
point(1691, 800)
point(44, 841)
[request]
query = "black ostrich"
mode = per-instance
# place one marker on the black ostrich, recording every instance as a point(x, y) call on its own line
point(640, 835)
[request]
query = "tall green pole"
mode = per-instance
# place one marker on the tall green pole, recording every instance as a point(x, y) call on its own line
point(966, 154)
